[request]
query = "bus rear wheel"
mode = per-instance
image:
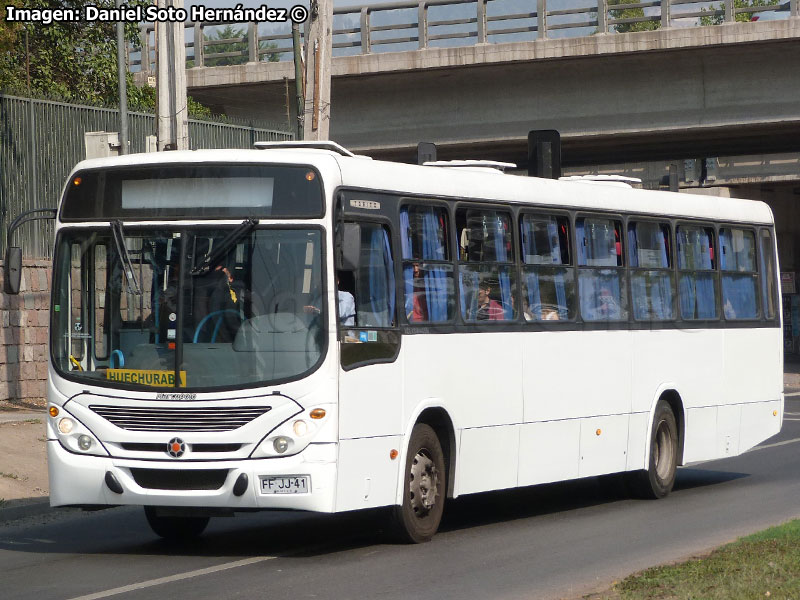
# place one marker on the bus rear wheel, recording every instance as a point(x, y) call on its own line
point(659, 477)
point(417, 519)
point(174, 528)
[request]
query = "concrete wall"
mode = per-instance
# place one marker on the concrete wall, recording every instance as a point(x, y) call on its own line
point(24, 337)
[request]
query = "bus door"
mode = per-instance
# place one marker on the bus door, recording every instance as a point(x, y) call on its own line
point(370, 374)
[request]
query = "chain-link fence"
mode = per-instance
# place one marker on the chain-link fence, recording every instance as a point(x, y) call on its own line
point(41, 141)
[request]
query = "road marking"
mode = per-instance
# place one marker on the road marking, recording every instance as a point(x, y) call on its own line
point(177, 577)
point(775, 445)
point(791, 395)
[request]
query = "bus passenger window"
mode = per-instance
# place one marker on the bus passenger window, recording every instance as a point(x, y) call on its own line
point(739, 274)
point(548, 282)
point(374, 289)
point(601, 278)
point(768, 275)
point(427, 273)
point(697, 279)
point(487, 272)
point(652, 281)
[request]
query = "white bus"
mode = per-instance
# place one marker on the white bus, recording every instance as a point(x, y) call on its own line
point(301, 328)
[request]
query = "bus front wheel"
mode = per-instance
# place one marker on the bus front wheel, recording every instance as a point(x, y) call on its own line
point(175, 528)
point(659, 477)
point(417, 518)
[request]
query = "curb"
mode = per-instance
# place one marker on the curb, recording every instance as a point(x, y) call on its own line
point(13, 510)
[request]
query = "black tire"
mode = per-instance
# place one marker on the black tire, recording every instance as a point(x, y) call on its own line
point(417, 519)
point(175, 528)
point(657, 481)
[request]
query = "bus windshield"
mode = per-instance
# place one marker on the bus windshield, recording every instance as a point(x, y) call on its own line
point(146, 308)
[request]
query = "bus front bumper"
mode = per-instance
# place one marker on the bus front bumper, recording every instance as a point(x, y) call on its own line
point(82, 480)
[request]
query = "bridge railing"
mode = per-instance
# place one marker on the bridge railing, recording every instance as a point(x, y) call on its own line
point(418, 24)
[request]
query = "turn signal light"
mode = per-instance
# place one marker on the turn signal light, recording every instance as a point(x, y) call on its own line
point(774, 413)
point(317, 413)
point(598, 432)
point(53, 411)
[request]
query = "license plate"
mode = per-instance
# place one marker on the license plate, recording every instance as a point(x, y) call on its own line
point(297, 484)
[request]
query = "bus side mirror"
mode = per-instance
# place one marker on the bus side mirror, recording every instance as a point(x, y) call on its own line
point(12, 270)
point(348, 247)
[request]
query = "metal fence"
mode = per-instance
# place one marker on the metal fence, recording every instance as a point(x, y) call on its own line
point(41, 141)
point(418, 24)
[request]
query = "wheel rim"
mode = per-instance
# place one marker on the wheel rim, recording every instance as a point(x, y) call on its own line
point(423, 484)
point(664, 451)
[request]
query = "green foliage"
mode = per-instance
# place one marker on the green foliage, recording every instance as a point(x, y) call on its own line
point(760, 566)
point(718, 19)
point(240, 48)
point(72, 62)
point(75, 61)
point(631, 13)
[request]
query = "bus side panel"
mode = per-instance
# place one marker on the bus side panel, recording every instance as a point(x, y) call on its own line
point(753, 371)
point(488, 459)
point(549, 451)
point(760, 421)
point(367, 475)
point(370, 426)
point(574, 374)
point(604, 443)
point(370, 401)
point(701, 434)
point(475, 375)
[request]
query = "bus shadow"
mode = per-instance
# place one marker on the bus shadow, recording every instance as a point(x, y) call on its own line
point(306, 535)
point(690, 478)
point(540, 500)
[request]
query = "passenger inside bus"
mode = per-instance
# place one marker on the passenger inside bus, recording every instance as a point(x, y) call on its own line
point(488, 309)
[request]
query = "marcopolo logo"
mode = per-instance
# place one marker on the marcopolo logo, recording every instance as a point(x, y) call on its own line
point(176, 447)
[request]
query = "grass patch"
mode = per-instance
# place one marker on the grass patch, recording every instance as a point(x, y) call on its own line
point(763, 565)
point(9, 475)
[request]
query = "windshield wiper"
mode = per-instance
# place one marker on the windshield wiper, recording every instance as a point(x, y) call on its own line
point(224, 246)
point(125, 257)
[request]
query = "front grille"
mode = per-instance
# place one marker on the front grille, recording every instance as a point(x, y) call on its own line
point(166, 479)
point(180, 419)
point(143, 447)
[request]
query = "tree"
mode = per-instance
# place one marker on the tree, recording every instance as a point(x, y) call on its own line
point(71, 61)
point(630, 13)
point(718, 19)
point(241, 48)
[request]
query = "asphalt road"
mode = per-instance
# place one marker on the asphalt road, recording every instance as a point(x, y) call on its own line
point(553, 541)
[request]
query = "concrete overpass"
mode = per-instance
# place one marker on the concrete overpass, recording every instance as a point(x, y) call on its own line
point(677, 91)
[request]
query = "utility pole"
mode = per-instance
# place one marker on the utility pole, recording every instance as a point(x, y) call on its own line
point(171, 105)
point(298, 78)
point(123, 87)
point(319, 46)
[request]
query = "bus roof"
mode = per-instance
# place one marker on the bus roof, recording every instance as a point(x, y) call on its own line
point(453, 183)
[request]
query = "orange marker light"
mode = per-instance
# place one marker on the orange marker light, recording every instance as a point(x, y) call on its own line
point(774, 413)
point(317, 413)
point(599, 431)
point(393, 453)
point(77, 181)
point(310, 176)
point(53, 411)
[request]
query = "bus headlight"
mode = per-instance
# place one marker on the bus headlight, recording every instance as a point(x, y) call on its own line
point(281, 444)
point(292, 436)
point(75, 437)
